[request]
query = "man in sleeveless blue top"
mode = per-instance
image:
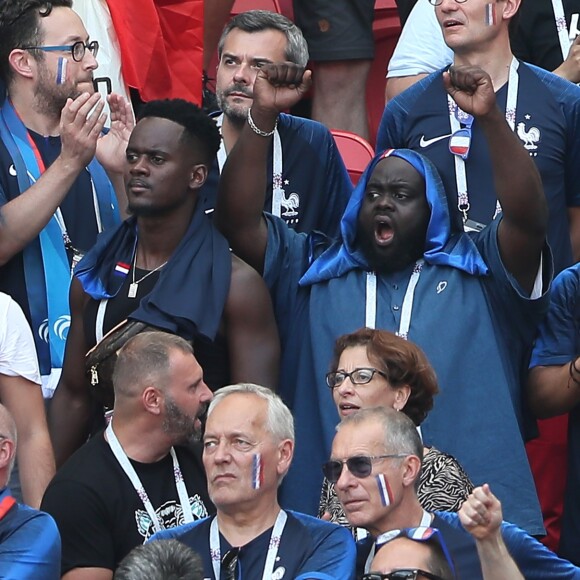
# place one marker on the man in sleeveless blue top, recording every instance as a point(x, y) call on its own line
point(471, 301)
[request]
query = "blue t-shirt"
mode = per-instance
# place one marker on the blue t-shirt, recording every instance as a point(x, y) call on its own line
point(475, 331)
point(313, 173)
point(548, 108)
point(29, 544)
point(535, 561)
point(309, 548)
point(558, 343)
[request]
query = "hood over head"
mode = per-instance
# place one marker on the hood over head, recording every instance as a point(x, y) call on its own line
point(445, 243)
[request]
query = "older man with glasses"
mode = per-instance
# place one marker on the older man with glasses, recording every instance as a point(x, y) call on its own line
point(375, 462)
point(248, 447)
point(60, 178)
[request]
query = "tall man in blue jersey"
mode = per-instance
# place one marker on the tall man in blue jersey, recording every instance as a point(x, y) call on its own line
point(54, 196)
point(544, 114)
point(542, 109)
point(403, 264)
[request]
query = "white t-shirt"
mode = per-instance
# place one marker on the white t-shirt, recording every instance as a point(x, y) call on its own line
point(17, 351)
point(421, 48)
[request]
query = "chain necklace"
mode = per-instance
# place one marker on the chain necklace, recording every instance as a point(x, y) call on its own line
point(134, 286)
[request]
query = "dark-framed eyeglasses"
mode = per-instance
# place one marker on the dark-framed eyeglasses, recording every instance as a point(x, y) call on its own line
point(360, 376)
point(419, 534)
point(439, 2)
point(229, 563)
point(360, 466)
point(402, 574)
point(77, 50)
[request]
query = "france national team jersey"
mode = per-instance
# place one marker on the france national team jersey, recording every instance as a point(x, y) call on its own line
point(316, 186)
point(308, 549)
point(547, 122)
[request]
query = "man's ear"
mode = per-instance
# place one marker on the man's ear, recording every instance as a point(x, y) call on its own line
point(510, 8)
point(198, 176)
point(21, 62)
point(152, 400)
point(7, 451)
point(412, 470)
point(285, 454)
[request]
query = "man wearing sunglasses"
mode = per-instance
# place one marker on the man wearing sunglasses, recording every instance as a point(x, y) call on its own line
point(375, 463)
point(57, 171)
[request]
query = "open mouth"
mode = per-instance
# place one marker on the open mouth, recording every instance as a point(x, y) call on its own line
point(348, 408)
point(384, 232)
point(451, 23)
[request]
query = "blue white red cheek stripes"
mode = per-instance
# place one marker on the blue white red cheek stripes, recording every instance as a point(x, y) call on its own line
point(490, 18)
point(257, 471)
point(61, 70)
point(384, 489)
point(122, 269)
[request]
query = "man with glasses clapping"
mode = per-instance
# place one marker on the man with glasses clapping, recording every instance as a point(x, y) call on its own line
point(60, 178)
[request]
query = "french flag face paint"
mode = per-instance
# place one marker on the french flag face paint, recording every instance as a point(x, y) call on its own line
point(257, 471)
point(61, 70)
point(384, 489)
point(122, 269)
point(490, 18)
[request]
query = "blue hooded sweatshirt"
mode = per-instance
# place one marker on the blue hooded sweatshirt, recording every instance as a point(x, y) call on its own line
point(468, 314)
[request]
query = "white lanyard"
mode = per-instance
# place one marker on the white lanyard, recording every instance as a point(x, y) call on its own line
point(407, 308)
point(510, 117)
point(130, 472)
point(387, 536)
point(277, 190)
point(274, 544)
point(562, 28)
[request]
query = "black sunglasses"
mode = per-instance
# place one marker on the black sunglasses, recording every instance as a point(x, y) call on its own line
point(403, 574)
point(230, 563)
point(360, 466)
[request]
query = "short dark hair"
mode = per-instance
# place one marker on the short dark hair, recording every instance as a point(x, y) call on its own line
point(201, 132)
point(145, 358)
point(20, 26)
point(160, 560)
point(401, 360)
point(259, 20)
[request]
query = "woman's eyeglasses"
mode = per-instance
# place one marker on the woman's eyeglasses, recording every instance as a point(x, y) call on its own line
point(360, 376)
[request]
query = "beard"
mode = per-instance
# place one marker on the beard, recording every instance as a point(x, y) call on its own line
point(50, 97)
point(393, 262)
point(180, 426)
point(237, 114)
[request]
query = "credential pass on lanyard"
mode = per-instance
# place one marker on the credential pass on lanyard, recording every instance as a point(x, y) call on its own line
point(130, 472)
point(406, 310)
point(274, 544)
point(277, 190)
point(563, 34)
point(455, 121)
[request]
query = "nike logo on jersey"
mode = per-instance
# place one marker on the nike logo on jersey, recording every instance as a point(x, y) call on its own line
point(426, 142)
